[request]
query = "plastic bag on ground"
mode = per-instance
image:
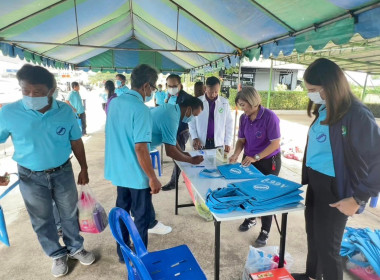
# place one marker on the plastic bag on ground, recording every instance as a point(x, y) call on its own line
point(265, 258)
point(92, 216)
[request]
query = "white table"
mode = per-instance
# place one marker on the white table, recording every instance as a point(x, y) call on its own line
point(201, 186)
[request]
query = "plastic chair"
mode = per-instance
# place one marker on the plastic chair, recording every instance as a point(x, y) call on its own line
point(176, 263)
point(155, 155)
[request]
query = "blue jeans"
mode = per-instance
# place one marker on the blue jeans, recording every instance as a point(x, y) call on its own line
point(39, 190)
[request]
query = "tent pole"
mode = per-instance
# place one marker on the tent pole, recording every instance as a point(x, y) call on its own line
point(76, 19)
point(176, 36)
point(345, 72)
point(236, 109)
point(364, 88)
point(270, 82)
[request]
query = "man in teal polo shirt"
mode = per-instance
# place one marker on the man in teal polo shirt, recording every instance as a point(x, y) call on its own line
point(120, 84)
point(44, 132)
point(127, 159)
point(75, 101)
point(160, 96)
point(165, 126)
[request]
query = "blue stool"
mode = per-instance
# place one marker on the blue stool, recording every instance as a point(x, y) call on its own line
point(176, 263)
point(155, 155)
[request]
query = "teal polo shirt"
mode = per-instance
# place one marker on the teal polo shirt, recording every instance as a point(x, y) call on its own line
point(319, 154)
point(172, 99)
point(165, 125)
point(76, 101)
point(41, 141)
point(120, 91)
point(128, 122)
point(160, 97)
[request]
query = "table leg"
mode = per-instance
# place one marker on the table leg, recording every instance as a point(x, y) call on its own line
point(217, 250)
point(284, 221)
point(176, 194)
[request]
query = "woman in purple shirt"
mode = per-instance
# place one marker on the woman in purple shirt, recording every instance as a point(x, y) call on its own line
point(110, 89)
point(259, 136)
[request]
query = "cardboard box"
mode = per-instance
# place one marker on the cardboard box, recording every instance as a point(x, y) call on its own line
point(274, 274)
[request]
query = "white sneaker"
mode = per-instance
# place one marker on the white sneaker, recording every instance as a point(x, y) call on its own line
point(160, 228)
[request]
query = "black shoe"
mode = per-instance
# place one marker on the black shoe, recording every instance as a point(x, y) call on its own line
point(262, 239)
point(168, 187)
point(247, 224)
point(300, 276)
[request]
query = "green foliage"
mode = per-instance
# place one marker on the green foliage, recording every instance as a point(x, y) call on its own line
point(279, 100)
point(100, 77)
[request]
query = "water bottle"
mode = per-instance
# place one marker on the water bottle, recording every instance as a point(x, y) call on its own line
point(373, 202)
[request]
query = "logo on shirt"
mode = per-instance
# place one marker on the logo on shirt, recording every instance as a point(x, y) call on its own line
point(60, 130)
point(344, 130)
point(235, 171)
point(221, 110)
point(321, 137)
point(259, 134)
point(261, 187)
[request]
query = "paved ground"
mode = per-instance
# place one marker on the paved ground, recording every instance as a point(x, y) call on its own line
point(26, 260)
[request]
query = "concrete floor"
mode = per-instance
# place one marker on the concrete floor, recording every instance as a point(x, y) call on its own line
point(26, 260)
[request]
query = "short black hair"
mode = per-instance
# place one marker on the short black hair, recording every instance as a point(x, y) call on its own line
point(193, 102)
point(174, 76)
point(121, 76)
point(74, 84)
point(36, 75)
point(110, 86)
point(212, 81)
point(142, 74)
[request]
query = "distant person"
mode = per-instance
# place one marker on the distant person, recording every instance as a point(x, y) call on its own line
point(75, 101)
point(121, 84)
point(109, 87)
point(259, 137)
point(104, 98)
point(199, 89)
point(177, 96)
point(160, 96)
point(213, 128)
point(44, 132)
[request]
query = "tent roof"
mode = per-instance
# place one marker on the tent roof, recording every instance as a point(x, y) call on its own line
point(179, 35)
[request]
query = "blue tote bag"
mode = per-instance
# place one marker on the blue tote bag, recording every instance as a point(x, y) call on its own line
point(3, 228)
point(237, 171)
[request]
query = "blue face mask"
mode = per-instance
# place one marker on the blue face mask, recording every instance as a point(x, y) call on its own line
point(148, 98)
point(188, 119)
point(35, 103)
point(118, 83)
point(55, 94)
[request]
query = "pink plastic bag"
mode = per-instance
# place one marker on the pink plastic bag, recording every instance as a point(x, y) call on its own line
point(92, 216)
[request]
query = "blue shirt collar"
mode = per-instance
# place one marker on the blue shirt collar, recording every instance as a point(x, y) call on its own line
point(136, 94)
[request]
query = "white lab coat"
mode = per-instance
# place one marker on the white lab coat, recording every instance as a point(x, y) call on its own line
point(223, 131)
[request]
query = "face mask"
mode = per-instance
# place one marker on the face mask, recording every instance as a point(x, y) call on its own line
point(316, 97)
point(35, 103)
point(118, 83)
point(149, 98)
point(173, 91)
point(159, 89)
point(55, 94)
point(188, 119)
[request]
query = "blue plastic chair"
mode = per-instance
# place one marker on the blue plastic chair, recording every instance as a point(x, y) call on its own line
point(176, 263)
point(155, 155)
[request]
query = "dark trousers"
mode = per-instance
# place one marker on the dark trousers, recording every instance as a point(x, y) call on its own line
point(137, 202)
point(324, 227)
point(182, 139)
point(266, 167)
point(84, 124)
point(152, 222)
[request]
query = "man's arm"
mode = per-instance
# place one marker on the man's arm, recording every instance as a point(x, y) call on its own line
point(143, 157)
point(175, 153)
point(79, 152)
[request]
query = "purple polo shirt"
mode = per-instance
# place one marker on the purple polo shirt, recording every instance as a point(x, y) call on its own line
point(259, 133)
point(211, 124)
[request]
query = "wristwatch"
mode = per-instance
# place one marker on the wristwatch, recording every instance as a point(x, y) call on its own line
point(257, 157)
point(359, 202)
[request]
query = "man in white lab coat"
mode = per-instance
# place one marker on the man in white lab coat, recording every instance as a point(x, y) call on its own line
point(213, 128)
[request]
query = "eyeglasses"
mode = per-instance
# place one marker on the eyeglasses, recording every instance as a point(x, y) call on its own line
point(152, 86)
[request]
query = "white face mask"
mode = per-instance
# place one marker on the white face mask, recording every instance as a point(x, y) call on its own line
point(316, 97)
point(173, 91)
